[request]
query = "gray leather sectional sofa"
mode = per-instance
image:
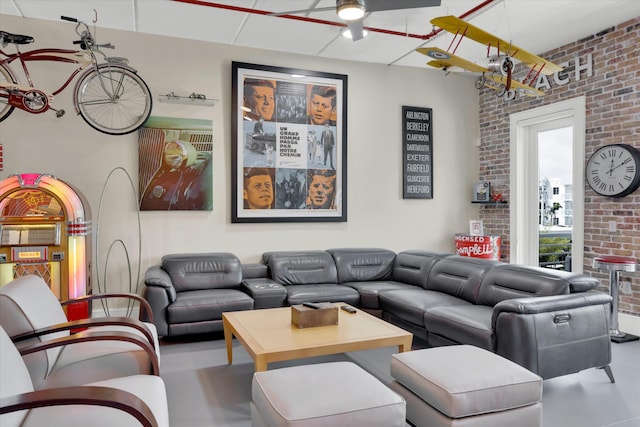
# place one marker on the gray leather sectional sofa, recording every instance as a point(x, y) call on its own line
point(551, 322)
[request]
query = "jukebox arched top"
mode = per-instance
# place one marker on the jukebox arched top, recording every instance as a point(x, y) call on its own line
point(44, 230)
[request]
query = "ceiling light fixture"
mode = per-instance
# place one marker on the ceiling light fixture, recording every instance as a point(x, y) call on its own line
point(350, 10)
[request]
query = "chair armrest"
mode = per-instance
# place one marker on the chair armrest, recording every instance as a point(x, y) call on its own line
point(82, 337)
point(87, 323)
point(82, 395)
point(534, 305)
point(145, 308)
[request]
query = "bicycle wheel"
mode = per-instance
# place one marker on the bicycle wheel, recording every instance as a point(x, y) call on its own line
point(5, 108)
point(113, 100)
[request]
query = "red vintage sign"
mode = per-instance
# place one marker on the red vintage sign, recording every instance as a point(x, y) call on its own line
point(487, 247)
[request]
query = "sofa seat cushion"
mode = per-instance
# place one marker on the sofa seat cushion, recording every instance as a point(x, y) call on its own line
point(197, 306)
point(297, 294)
point(464, 324)
point(370, 291)
point(411, 304)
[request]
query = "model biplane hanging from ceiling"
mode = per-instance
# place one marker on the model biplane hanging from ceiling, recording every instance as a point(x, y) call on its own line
point(497, 74)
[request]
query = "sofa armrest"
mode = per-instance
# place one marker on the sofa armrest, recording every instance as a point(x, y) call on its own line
point(81, 395)
point(155, 276)
point(159, 293)
point(533, 305)
point(555, 335)
point(266, 293)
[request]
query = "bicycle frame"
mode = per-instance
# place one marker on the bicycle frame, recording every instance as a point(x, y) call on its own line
point(109, 95)
point(84, 59)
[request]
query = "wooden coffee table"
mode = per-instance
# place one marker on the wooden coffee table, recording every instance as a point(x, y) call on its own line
point(269, 336)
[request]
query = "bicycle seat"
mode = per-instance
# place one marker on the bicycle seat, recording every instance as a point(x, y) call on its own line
point(14, 38)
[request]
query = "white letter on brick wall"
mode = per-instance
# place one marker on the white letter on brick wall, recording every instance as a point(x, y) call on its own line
point(556, 76)
point(588, 66)
point(543, 82)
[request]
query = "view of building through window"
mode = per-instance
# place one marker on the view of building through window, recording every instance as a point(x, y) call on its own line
point(555, 197)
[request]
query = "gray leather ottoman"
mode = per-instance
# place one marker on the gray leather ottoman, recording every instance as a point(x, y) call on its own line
point(327, 394)
point(464, 385)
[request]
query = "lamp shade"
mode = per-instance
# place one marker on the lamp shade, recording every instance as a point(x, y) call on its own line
point(350, 10)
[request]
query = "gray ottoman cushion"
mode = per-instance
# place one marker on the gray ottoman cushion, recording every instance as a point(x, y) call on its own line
point(464, 380)
point(327, 394)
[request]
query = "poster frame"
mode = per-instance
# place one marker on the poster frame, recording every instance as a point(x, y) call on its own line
point(288, 141)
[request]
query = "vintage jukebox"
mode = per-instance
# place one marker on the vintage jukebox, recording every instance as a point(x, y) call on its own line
point(44, 231)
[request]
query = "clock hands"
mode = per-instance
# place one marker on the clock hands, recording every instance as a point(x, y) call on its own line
point(612, 168)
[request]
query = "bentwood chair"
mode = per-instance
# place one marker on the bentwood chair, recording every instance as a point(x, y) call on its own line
point(31, 315)
point(124, 401)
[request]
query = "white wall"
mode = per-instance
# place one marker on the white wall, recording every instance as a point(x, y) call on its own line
point(377, 214)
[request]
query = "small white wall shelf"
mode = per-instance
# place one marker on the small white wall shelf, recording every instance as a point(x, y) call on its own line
point(197, 99)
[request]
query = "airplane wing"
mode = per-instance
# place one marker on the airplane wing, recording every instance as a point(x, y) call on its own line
point(444, 59)
point(456, 25)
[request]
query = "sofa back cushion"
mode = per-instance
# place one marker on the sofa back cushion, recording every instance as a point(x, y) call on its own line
point(413, 266)
point(459, 276)
point(191, 272)
point(301, 267)
point(509, 281)
point(363, 264)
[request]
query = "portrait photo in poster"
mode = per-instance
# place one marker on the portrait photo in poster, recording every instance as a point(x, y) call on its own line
point(175, 164)
point(289, 145)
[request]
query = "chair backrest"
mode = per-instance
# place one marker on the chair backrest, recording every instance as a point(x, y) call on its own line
point(27, 304)
point(15, 378)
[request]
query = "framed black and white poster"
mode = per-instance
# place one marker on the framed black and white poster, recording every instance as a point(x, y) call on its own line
point(289, 145)
point(417, 153)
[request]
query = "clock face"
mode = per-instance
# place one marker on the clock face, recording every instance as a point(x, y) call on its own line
point(614, 170)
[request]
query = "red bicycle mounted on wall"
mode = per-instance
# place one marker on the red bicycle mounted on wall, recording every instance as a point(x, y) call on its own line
point(110, 95)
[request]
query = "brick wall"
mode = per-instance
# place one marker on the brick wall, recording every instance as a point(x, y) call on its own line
point(612, 95)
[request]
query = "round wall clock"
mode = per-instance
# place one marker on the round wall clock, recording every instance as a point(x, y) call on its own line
point(614, 170)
